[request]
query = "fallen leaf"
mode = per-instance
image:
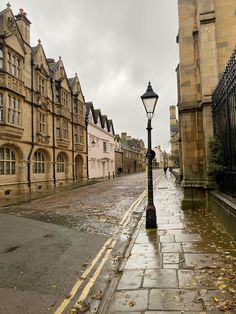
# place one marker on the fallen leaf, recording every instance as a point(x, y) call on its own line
point(131, 303)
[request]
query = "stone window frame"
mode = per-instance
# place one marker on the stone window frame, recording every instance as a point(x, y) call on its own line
point(75, 106)
point(42, 122)
point(62, 128)
point(105, 146)
point(80, 109)
point(14, 64)
point(64, 97)
point(1, 58)
point(39, 162)
point(1, 108)
point(7, 161)
point(14, 110)
point(42, 85)
point(60, 163)
point(76, 134)
point(81, 135)
point(65, 129)
point(58, 128)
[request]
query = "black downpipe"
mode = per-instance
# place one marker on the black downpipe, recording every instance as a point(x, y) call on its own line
point(73, 144)
point(86, 124)
point(53, 133)
point(32, 125)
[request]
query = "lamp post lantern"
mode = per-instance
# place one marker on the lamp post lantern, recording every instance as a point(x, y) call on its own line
point(149, 100)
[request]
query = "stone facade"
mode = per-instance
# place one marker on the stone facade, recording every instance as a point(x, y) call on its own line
point(158, 161)
point(206, 39)
point(133, 154)
point(42, 125)
point(174, 138)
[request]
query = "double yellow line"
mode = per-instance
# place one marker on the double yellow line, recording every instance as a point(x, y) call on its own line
point(107, 247)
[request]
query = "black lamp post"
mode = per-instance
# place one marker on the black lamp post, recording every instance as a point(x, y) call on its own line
point(149, 100)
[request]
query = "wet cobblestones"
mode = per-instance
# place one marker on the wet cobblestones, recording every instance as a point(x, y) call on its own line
point(97, 209)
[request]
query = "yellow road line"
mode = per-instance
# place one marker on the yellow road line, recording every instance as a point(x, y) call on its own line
point(92, 280)
point(75, 288)
point(80, 281)
point(135, 204)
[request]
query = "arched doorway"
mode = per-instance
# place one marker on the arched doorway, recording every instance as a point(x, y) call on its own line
point(78, 167)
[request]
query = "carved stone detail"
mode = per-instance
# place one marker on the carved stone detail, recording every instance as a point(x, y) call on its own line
point(11, 24)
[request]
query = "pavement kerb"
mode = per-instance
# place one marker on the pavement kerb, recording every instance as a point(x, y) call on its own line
point(107, 297)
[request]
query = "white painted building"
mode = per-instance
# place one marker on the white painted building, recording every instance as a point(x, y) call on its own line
point(101, 144)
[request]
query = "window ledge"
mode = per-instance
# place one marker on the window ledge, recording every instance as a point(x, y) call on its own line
point(10, 130)
point(79, 146)
point(63, 142)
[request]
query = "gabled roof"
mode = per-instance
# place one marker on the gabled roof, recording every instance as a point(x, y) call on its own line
point(52, 63)
point(17, 31)
point(8, 8)
point(36, 49)
point(97, 114)
point(89, 107)
point(125, 145)
point(110, 126)
point(103, 120)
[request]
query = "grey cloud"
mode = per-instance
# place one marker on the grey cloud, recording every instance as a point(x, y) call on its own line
point(116, 47)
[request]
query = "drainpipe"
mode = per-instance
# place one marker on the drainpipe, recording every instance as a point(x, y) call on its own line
point(32, 125)
point(86, 125)
point(53, 133)
point(73, 144)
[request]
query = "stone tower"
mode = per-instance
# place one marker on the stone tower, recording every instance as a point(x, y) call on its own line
point(206, 39)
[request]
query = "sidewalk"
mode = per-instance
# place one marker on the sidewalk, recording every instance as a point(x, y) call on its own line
point(187, 265)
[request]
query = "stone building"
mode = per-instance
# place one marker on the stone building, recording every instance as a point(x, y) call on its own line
point(206, 40)
point(101, 144)
point(174, 137)
point(42, 125)
point(133, 154)
point(118, 156)
point(158, 161)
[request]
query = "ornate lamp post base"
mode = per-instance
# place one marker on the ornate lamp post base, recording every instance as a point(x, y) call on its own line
point(151, 221)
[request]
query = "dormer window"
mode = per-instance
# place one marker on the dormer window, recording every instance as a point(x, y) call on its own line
point(1, 58)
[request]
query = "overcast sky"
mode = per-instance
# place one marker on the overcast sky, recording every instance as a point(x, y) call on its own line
point(116, 47)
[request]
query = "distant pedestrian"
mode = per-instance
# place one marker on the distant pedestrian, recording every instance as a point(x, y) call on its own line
point(170, 169)
point(165, 169)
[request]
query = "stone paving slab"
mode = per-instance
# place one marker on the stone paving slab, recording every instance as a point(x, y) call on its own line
point(187, 265)
point(174, 299)
point(160, 278)
point(125, 301)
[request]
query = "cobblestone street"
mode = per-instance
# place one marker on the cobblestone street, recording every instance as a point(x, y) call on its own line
point(94, 208)
point(47, 245)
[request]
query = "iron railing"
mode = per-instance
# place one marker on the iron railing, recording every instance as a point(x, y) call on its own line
point(224, 120)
